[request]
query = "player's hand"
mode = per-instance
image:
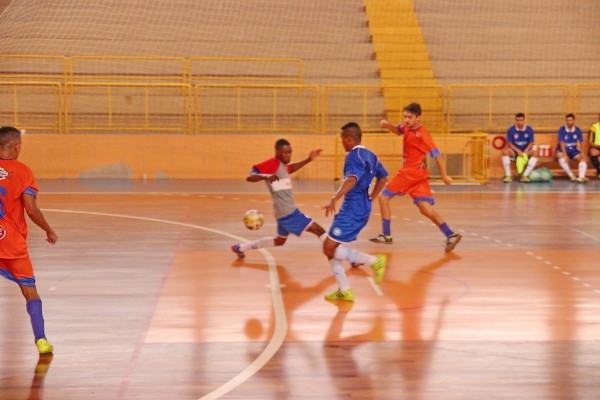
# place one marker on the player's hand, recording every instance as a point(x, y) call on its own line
point(314, 154)
point(329, 208)
point(51, 237)
point(272, 178)
point(447, 180)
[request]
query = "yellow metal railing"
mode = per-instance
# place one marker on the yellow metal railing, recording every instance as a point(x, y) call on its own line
point(119, 106)
point(367, 105)
point(127, 68)
point(39, 68)
point(465, 155)
point(35, 106)
point(255, 108)
point(492, 107)
point(586, 104)
point(245, 70)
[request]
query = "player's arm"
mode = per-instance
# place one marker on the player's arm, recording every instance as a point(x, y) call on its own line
point(439, 160)
point(311, 157)
point(390, 127)
point(35, 214)
point(378, 187)
point(347, 184)
point(256, 177)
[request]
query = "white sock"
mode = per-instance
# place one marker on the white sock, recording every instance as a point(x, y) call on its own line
point(582, 169)
point(506, 165)
point(530, 166)
point(340, 275)
point(564, 165)
point(258, 244)
point(345, 253)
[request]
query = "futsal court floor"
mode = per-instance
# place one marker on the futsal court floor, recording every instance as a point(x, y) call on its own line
point(143, 298)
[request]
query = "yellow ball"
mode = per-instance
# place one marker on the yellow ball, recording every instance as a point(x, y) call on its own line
point(253, 220)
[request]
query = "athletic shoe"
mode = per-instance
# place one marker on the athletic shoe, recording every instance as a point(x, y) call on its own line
point(355, 264)
point(381, 239)
point(340, 295)
point(379, 267)
point(43, 346)
point(572, 178)
point(582, 179)
point(507, 179)
point(525, 179)
point(452, 241)
point(236, 249)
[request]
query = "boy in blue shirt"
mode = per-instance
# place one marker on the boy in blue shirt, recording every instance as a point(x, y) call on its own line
point(361, 166)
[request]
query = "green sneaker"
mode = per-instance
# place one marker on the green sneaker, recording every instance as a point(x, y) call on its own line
point(525, 179)
point(43, 346)
point(507, 179)
point(340, 295)
point(572, 177)
point(381, 239)
point(379, 267)
point(582, 180)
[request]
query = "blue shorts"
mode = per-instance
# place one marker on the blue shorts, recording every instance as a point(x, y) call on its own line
point(295, 223)
point(345, 229)
point(571, 152)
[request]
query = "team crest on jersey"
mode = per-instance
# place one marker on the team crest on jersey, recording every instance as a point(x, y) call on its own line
point(2, 232)
point(574, 136)
point(516, 136)
point(3, 174)
point(418, 134)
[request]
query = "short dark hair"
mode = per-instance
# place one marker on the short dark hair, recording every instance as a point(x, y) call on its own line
point(353, 130)
point(9, 135)
point(520, 115)
point(413, 108)
point(280, 143)
point(570, 115)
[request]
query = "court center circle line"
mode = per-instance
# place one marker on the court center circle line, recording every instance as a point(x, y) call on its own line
point(279, 310)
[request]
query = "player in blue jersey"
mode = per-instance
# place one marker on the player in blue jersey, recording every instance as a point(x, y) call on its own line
point(519, 143)
point(361, 166)
point(568, 137)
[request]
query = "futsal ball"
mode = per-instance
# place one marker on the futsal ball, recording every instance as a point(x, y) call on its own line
point(253, 220)
point(545, 175)
point(535, 175)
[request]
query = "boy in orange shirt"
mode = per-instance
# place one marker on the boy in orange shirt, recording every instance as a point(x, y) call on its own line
point(413, 177)
point(18, 191)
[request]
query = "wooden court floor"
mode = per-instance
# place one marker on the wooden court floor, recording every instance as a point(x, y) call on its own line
point(143, 299)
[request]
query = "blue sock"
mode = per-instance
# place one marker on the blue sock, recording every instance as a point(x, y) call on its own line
point(447, 231)
point(34, 309)
point(387, 230)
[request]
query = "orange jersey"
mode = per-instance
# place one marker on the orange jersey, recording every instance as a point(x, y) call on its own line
point(417, 144)
point(15, 179)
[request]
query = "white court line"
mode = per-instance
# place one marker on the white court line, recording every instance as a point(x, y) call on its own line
point(280, 318)
point(375, 286)
point(585, 234)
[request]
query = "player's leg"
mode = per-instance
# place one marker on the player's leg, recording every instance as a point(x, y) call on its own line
point(345, 229)
point(594, 154)
point(530, 165)
point(452, 238)
point(20, 271)
point(344, 291)
point(394, 187)
point(562, 161)
point(581, 167)
point(507, 155)
point(317, 230)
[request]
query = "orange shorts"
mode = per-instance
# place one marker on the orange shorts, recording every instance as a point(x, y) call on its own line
point(419, 189)
point(19, 270)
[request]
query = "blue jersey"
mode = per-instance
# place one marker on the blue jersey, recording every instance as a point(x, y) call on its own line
point(364, 165)
point(520, 139)
point(570, 139)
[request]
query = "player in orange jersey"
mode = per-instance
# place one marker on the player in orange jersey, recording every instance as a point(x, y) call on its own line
point(18, 191)
point(413, 177)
